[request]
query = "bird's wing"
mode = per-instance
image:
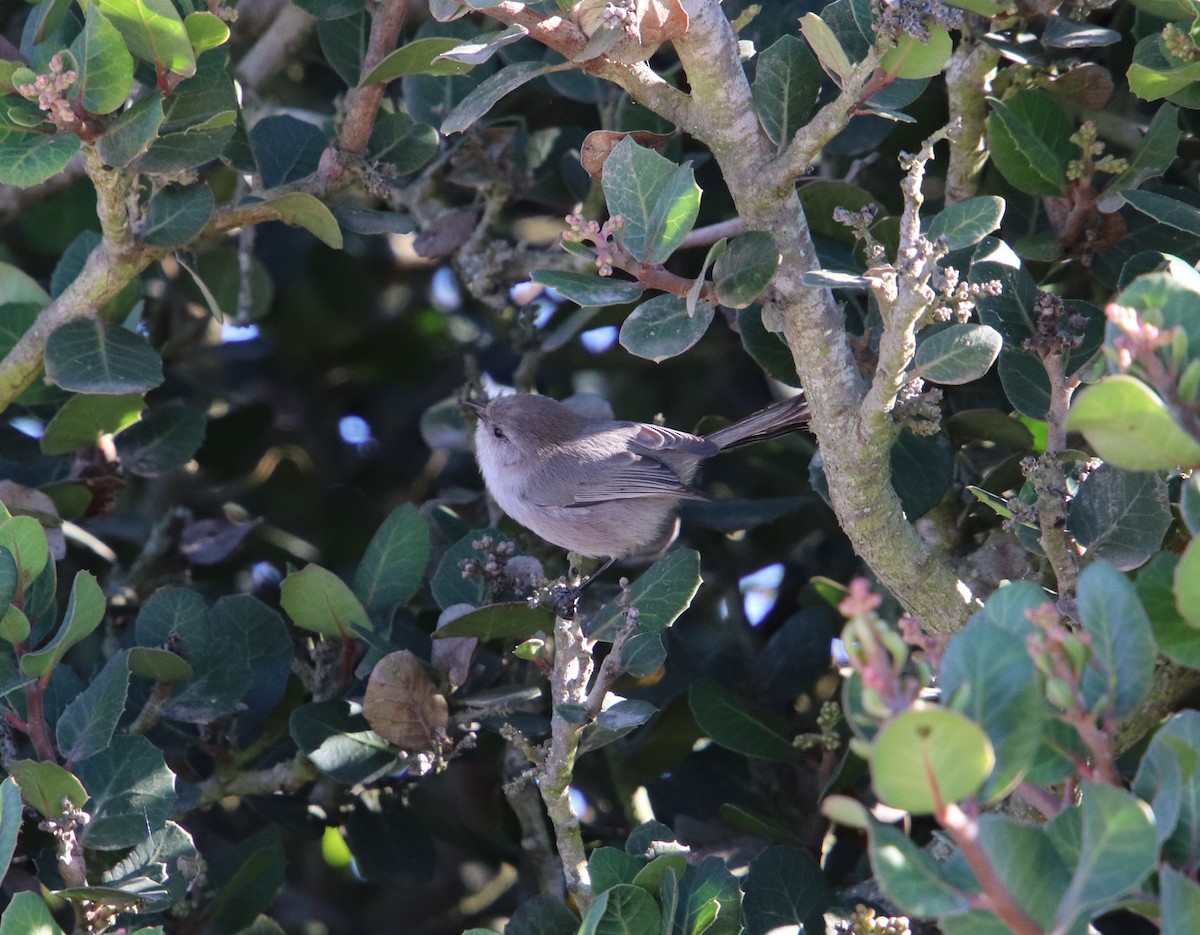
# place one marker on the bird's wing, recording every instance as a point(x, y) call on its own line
point(624, 476)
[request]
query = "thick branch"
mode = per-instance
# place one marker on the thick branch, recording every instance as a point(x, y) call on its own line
point(967, 84)
point(362, 103)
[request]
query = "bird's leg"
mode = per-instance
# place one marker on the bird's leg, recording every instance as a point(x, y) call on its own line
point(565, 598)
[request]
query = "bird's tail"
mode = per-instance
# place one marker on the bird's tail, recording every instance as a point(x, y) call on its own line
point(781, 418)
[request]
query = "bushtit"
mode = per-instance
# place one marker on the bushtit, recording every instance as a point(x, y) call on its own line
point(598, 487)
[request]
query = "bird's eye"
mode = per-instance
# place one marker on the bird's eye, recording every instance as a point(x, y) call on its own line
point(497, 431)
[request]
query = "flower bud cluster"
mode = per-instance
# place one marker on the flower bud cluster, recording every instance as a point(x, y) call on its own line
point(956, 296)
point(50, 92)
point(864, 921)
point(1086, 138)
point(1060, 653)
point(581, 230)
point(503, 571)
point(1056, 329)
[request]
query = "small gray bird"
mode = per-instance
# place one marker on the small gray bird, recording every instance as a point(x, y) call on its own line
point(599, 487)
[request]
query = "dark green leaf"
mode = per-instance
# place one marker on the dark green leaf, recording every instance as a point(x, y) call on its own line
point(1121, 668)
point(1176, 639)
point(968, 222)
point(159, 871)
point(448, 584)
point(390, 844)
point(721, 715)
point(744, 270)
point(87, 724)
point(393, 565)
point(29, 157)
point(657, 199)
point(330, 9)
point(105, 65)
point(611, 866)
point(91, 356)
point(161, 665)
point(957, 354)
point(784, 887)
point(199, 119)
point(514, 620)
point(164, 439)
point(402, 144)
point(1029, 141)
point(10, 820)
point(768, 349)
point(1010, 312)
point(1152, 158)
point(1166, 210)
point(132, 793)
point(132, 132)
point(709, 901)
point(542, 915)
point(176, 214)
point(488, 94)
point(344, 42)
point(661, 328)
point(922, 469)
point(1028, 863)
point(622, 910)
point(643, 653)
point(1120, 516)
point(340, 743)
point(286, 149)
point(252, 879)
point(586, 290)
point(913, 879)
point(786, 80)
point(661, 593)
point(1180, 902)
point(988, 675)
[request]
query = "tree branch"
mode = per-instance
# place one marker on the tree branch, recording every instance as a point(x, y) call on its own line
point(967, 84)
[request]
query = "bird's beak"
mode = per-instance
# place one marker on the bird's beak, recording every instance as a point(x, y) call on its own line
point(474, 407)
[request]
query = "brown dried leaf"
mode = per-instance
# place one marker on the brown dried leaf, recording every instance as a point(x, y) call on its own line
point(453, 656)
point(599, 143)
point(402, 704)
point(660, 21)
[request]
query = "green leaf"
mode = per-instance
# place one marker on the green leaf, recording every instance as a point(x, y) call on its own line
point(910, 877)
point(418, 57)
point(929, 755)
point(1187, 584)
point(132, 793)
point(10, 821)
point(542, 915)
point(394, 564)
point(199, 119)
point(153, 32)
point(29, 157)
point(340, 743)
point(132, 132)
point(1166, 210)
point(988, 675)
point(1028, 863)
point(164, 439)
point(587, 290)
point(89, 355)
point(286, 149)
point(28, 915)
point(768, 349)
point(488, 94)
point(484, 46)
point(176, 214)
point(159, 871)
point(402, 144)
point(1121, 668)
point(1176, 639)
point(344, 44)
point(1154, 155)
point(787, 79)
point(709, 900)
point(1179, 902)
point(922, 469)
point(448, 584)
point(18, 287)
point(825, 44)
point(660, 328)
point(1029, 141)
point(968, 222)
point(88, 722)
point(744, 270)
point(205, 31)
point(84, 418)
point(301, 209)
point(161, 665)
point(105, 65)
point(1130, 427)
point(25, 541)
point(661, 593)
point(622, 910)
point(85, 611)
point(318, 600)
point(657, 199)
point(784, 887)
point(911, 57)
point(1113, 848)
point(957, 354)
point(1120, 516)
point(643, 653)
point(45, 785)
point(1155, 73)
point(611, 866)
point(251, 879)
point(513, 620)
point(721, 715)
